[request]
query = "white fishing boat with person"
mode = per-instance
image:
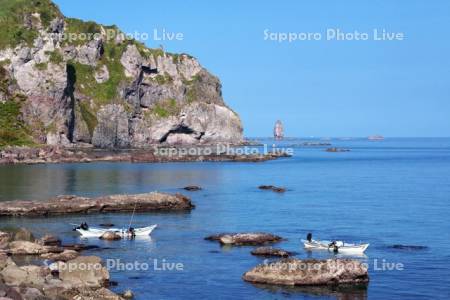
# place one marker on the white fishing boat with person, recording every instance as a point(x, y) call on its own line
point(334, 246)
point(87, 231)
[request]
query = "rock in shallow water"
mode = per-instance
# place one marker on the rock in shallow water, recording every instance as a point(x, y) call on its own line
point(49, 240)
point(29, 248)
point(269, 251)
point(408, 247)
point(110, 236)
point(272, 188)
point(104, 204)
point(192, 188)
point(63, 256)
point(309, 272)
point(238, 239)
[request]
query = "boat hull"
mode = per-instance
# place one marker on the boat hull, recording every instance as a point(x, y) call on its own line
point(98, 232)
point(342, 247)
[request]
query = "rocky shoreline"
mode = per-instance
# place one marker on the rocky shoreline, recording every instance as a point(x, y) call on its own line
point(59, 273)
point(57, 154)
point(105, 204)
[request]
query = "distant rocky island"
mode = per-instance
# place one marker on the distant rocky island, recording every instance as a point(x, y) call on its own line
point(376, 137)
point(100, 91)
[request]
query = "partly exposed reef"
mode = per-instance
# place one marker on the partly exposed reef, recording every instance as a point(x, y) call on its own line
point(293, 272)
point(272, 188)
point(269, 251)
point(242, 239)
point(55, 154)
point(104, 204)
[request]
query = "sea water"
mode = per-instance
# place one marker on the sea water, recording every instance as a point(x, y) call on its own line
point(395, 191)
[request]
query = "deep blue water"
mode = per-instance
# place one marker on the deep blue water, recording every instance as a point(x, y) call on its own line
point(395, 191)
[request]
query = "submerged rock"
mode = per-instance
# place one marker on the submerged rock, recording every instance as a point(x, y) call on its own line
point(104, 204)
point(238, 239)
point(80, 247)
point(408, 247)
point(192, 188)
point(334, 149)
point(269, 251)
point(309, 272)
point(272, 188)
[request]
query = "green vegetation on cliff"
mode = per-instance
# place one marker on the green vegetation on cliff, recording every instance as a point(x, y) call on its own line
point(17, 22)
point(12, 129)
point(166, 108)
point(79, 32)
point(84, 80)
point(89, 118)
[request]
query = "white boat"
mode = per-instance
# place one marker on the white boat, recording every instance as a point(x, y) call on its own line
point(97, 232)
point(339, 246)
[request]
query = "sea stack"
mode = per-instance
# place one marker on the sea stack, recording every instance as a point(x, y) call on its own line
point(278, 130)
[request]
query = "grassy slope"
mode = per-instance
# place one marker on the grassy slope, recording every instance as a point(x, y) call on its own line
point(12, 18)
point(12, 130)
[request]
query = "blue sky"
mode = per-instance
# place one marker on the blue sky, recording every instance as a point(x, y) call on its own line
point(317, 88)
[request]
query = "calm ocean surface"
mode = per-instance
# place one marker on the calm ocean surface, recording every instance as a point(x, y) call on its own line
point(395, 191)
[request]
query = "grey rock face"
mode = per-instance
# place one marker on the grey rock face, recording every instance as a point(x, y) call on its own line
point(57, 25)
point(161, 97)
point(131, 61)
point(214, 122)
point(112, 128)
point(90, 53)
point(151, 93)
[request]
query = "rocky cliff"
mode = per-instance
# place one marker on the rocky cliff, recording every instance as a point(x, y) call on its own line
point(64, 81)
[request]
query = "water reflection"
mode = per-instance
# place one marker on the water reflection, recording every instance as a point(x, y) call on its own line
point(340, 292)
point(44, 181)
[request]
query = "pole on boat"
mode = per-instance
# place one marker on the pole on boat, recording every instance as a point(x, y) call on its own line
point(132, 215)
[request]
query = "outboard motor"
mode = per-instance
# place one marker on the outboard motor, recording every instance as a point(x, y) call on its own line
point(309, 237)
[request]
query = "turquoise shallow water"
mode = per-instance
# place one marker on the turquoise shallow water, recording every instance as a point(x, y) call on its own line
point(395, 191)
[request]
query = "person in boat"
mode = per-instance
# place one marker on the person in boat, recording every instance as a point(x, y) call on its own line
point(83, 226)
point(333, 245)
point(309, 237)
point(131, 232)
